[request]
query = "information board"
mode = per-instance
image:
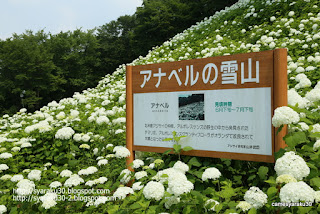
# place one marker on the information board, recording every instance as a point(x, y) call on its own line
point(224, 105)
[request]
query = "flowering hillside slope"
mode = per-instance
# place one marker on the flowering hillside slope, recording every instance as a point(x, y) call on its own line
point(75, 147)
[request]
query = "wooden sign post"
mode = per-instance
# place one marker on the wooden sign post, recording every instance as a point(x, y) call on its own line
point(223, 104)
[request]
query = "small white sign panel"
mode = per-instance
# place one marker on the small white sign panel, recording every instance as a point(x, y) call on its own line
point(228, 120)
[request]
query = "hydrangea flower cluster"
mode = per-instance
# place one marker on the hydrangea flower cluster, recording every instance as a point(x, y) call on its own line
point(64, 133)
point(153, 190)
point(48, 200)
point(88, 171)
point(122, 192)
point(121, 152)
point(3, 209)
point(284, 115)
point(25, 187)
point(211, 173)
point(284, 178)
point(256, 197)
point(292, 164)
point(34, 175)
point(73, 180)
point(296, 192)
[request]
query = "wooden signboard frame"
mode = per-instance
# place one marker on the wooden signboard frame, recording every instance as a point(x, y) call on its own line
point(273, 73)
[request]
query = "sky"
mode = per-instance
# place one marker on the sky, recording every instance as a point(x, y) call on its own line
point(17, 16)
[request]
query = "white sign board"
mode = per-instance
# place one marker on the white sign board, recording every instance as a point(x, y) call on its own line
point(229, 120)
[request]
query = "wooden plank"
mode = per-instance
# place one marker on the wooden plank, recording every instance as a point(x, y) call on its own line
point(203, 153)
point(280, 91)
point(129, 116)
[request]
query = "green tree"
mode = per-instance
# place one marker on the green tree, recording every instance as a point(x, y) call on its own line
point(77, 60)
point(157, 21)
point(115, 42)
point(25, 65)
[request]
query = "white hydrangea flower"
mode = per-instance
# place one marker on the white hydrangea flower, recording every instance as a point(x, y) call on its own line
point(65, 173)
point(26, 170)
point(25, 145)
point(5, 155)
point(211, 173)
point(3, 167)
point(3, 209)
point(90, 183)
point(34, 175)
point(284, 115)
point(122, 192)
point(137, 163)
point(292, 164)
point(304, 126)
point(170, 172)
point(105, 102)
point(95, 151)
point(151, 165)
point(109, 145)
point(55, 184)
point(110, 156)
point(294, 98)
point(153, 190)
point(47, 164)
point(179, 165)
point(6, 177)
point(179, 184)
point(316, 145)
point(101, 200)
point(77, 137)
point(25, 187)
point(102, 119)
point(256, 197)
point(317, 196)
point(61, 115)
point(140, 175)
point(48, 200)
point(102, 162)
point(285, 178)
point(85, 138)
point(209, 201)
point(16, 178)
point(73, 180)
point(74, 113)
point(119, 120)
point(244, 206)
point(101, 180)
point(126, 176)
point(296, 192)
point(121, 152)
point(64, 133)
point(88, 171)
point(84, 146)
point(15, 149)
point(315, 128)
point(137, 186)
point(313, 95)
point(118, 131)
point(303, 81)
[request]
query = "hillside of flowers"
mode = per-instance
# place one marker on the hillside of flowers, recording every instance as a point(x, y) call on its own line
point(69, 156)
